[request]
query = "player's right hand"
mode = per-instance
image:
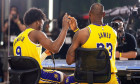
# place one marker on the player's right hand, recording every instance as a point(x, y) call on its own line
point(47, 52)
point(65, 24)
point(44, 55)
point(117, 54)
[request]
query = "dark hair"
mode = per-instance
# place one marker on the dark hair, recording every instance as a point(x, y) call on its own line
point(118, 18)
point(32, 15)
point(15, 8)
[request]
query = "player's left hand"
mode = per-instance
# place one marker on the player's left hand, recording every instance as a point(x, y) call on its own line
point(73, 23)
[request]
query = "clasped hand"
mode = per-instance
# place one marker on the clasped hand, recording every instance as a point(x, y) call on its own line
point(69, 21)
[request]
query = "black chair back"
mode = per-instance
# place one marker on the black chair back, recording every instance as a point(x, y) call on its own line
point(24, 70)
point(92, 65)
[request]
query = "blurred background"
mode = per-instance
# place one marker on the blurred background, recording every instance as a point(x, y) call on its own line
point(128, 9)
point(55, 9)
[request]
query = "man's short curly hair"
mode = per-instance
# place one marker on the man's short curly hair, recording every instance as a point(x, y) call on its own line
point(32, 15)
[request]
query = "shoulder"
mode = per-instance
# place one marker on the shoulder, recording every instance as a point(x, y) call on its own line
point(37, 33)
point(130, 36)
point(111, 30)
point(83, 32)
point(82, 35)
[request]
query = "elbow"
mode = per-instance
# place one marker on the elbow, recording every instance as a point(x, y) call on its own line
point(68, 62)
point(135, 54)
point(55, 50)
point(3, 30)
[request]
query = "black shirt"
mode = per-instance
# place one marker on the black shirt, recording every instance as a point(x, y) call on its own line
point(129, 44)
point(14, 29)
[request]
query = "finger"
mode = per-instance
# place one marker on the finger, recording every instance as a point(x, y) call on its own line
point(70, 22)
point(72, 18)
point(67, 19)
point(64, 17)
point(66, 14)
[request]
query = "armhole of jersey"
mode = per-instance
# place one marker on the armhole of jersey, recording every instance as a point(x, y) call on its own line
point(114, 32)
point(89, 29)
point(89, 35)
point(115, 36)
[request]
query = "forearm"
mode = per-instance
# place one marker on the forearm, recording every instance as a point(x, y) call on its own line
point(70, 58)
point(130, 54)
point(5, 27)
point(21, 26)
point(57, 44)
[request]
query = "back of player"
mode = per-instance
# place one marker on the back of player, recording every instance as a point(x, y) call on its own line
point(30, 42)
point(104, 37)
point(23, 46)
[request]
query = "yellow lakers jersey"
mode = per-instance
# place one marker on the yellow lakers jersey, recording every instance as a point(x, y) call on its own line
point(103, 37)
point(23, 46)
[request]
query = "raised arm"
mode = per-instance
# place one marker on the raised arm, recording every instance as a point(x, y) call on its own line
point(5, 27)
point(21, 26)
point(79, 39)
point(70, 57)
point(54, 46)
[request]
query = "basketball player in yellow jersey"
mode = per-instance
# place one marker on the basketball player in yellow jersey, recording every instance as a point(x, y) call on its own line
point(96, 35)
point(30, 42)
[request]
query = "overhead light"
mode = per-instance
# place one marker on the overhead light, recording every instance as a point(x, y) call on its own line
point(51, 14)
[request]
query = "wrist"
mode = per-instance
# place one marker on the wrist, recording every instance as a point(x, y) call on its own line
point(18, 22)
point(76, 30)
point(120, 54)
point(65, 29)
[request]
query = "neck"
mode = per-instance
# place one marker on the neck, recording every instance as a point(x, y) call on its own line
point(97, 21)
point(32, 26)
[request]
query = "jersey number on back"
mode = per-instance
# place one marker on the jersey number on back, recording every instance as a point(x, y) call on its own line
point(18, 51)
point(109, 47)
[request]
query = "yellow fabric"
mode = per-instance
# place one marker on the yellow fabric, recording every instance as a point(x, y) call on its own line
point(23, 46)
point(103, 36)
point(113, 80)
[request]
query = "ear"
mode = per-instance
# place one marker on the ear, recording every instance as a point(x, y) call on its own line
point(103, 14)
point(38, 22)
point(89, 13)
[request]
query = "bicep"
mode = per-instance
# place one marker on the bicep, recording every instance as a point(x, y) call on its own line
point(44, 41)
